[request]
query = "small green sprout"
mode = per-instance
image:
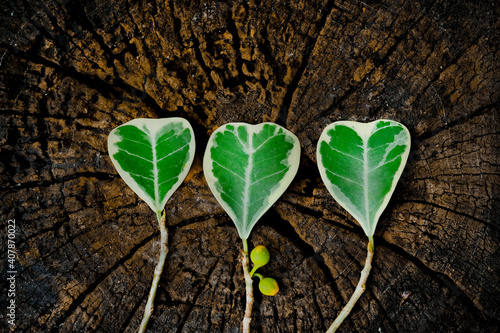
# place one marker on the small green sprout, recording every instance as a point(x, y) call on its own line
point(260, 257)
point(268, 286)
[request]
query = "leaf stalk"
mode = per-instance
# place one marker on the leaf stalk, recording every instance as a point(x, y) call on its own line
point(360, 288)
point(157, 273)
point(248, 287)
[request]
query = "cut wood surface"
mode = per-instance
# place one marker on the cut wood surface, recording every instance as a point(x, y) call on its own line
point(86, 245)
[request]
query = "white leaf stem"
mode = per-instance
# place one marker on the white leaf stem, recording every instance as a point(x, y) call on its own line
point(248, 288)
point(157, 274)
point(360, 288)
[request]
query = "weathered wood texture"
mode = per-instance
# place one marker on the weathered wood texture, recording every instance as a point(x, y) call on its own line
point(70, 71)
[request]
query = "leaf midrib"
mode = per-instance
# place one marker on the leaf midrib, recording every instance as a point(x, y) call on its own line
point(250, 151)
point(365, 179)
point(155, 170)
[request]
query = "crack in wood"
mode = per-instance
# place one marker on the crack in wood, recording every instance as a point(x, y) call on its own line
point(439, 277)
point(450, 210)
point(80, 299)
point(198, 292)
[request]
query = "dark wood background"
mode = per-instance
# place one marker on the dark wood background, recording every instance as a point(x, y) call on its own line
point(70, 71)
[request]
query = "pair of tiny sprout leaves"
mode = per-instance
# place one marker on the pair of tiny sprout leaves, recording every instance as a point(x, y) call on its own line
point(248, 167)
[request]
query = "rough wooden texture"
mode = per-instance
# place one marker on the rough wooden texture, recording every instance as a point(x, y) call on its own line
point(70, 71)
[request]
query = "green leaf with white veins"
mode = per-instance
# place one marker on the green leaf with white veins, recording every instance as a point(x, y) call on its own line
point(360, 164)
point(248, 167)
point(153, 156)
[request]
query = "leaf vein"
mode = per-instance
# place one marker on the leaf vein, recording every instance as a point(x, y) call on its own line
point(164, 181)
point(348, 179)
point(265, 158)
point(129, 153)
point(142, 176)
point(270, 175)
point(384, 163)
point(232, 199)
point(173, 152)
point(381, 128)
point(346, 154)
point(263, 143)
point(139, 142)
point(229, 151)
point(165, 139)
point(243, 146)
point(229, 170)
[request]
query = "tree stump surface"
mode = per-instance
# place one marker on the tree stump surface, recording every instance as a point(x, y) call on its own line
point(86, 246)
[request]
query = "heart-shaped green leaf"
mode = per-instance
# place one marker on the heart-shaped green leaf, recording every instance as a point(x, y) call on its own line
point(153, 156)
point(248, 167)
point(360, 164)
